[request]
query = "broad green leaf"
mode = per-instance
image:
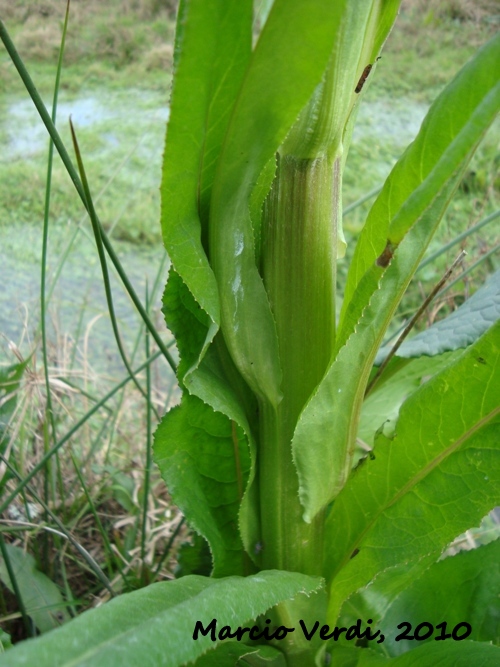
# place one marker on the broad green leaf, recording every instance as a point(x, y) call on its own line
point(204, 459)
point(449, 134)
point(41, 597)
point(427, 175)
point(213, 44)
point(231, 654)
point(188, 322)
point(297, 39)
point(441, 654)
point(217, 383)
point(376, 598)
point(463, 327)
point(438, 476)
point(266, 656)
point(153, 627)
point(193, 558)
point(464, 587)
point(404, 593)
point(324, 463)
point(380, 409)
point(226, 654)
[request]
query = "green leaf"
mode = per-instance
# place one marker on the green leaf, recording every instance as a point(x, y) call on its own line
point(187, 321)
point(374, 600)
point(381, 407)
point(210, 375)
point(226, 654)
point(266, 656)
point(443, 654)
point(204, 460)
point(449, 135)
point(194, 558)
point(41, 597)
point(404, 216)
point(231, 653)
point(464, 587)
point(435, 479)
point(153, 627)
point(213, 45)
point(297, 39)
point(461, 654)
point(463, 327)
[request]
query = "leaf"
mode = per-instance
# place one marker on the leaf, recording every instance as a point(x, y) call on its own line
point(297, 40)
point(436, 478)
point(229, 654)
point(401, 223)
point(213, 44)
point(153, 627)
point(210, 375)
point(449, 135)
point(464, 587)
point(41, 597)
point(381, 407)
point(205, 462)
point(376, 598)
point(463, 327)
point(266, 656)
point(464, 654)
point(443, 654)
point(193, 558)
point(226, 654)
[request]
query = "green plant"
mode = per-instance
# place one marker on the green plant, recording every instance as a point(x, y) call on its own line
point(263, 454)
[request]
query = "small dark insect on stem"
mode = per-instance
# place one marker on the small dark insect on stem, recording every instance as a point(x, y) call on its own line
point(364, 76)
point(413, 321)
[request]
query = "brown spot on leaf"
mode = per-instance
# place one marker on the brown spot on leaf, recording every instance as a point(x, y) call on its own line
point(384, 259)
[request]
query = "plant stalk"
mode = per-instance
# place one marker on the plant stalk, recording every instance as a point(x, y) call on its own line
point(299, 269)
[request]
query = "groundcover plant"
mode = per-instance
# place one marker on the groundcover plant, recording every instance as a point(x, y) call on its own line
point(326, 547)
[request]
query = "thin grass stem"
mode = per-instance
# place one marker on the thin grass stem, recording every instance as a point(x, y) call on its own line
point(361, 200)
point(147, 472)
point(169, 546)
point(110, 556)
point(459, 238)
point(102, 259)
point(43, 303)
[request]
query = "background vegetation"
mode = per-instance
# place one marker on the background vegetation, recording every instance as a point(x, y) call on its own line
point(117, 65)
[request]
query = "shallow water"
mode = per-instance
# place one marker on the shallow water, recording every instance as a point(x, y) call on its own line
point(22, 134)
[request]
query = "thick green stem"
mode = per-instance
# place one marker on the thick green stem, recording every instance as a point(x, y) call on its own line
point(298, 266)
